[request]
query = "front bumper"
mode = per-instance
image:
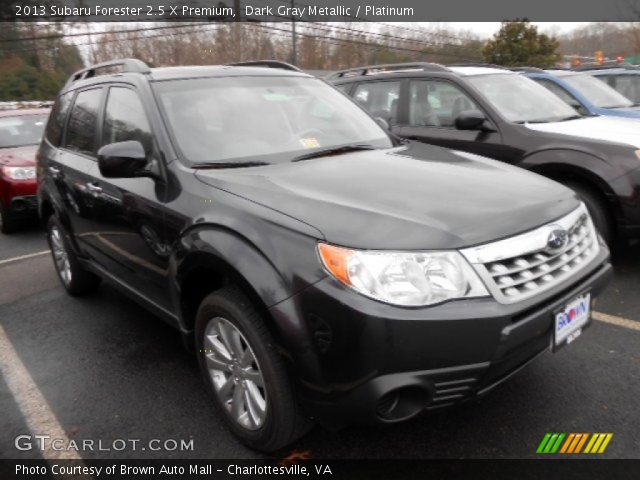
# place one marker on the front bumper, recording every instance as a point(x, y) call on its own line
point(19, 197)
point(370, 362)
point(23, 207)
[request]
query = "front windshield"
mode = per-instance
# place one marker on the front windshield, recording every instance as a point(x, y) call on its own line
point(599, 93)
point(239, 120)
point(21, 130)
point(520, 99)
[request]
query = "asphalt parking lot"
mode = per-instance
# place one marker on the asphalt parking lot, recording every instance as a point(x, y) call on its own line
point(101, 367)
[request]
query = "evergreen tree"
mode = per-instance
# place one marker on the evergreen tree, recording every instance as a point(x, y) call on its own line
point(519, 44)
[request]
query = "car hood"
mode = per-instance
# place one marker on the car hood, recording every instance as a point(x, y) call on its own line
point(413, 197)
point(610, 129)
point(18, 156)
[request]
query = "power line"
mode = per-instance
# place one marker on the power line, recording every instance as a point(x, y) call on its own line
point(333, 40)
point(381, 34)
point(341, 42)
point(85, 34)
point(111, 40)
point(400, 39)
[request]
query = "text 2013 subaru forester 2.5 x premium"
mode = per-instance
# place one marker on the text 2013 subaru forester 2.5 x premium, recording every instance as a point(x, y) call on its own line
point(322, 270)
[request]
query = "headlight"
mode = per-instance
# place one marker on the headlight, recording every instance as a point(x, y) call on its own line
point(403, 278)
point(19, 173)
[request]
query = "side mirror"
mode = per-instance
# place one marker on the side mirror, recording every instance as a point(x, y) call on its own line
point(123, 160)
point(470, 120)
point(383, 123)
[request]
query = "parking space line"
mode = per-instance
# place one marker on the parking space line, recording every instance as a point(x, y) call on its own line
point(618, 321)
point(24, 257)
point(34, 407)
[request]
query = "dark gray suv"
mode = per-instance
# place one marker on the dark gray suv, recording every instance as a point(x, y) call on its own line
point(322, 270)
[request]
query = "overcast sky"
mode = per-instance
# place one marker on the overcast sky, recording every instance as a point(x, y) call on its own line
point(487, 29)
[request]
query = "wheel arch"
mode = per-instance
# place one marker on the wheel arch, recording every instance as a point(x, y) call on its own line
point(206, 273)
point(572, 166)
point(210, 258)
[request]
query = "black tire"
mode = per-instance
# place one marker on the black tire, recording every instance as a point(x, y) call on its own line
point(284, 423)
point(600, 213)
point(79, 281)
point(7, 224)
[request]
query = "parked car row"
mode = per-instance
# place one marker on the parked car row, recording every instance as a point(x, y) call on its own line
point(550, 122)
point(430, 112)
point(323, 269)
point(624, 78)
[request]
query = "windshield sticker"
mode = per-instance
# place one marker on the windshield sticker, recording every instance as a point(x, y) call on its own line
point(310, 142)
point(276, 97)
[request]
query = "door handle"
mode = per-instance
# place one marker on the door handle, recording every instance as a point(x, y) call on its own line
point(55, 172)
point(93, 187)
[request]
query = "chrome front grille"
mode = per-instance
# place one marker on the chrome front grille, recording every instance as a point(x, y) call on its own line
point(523, 266)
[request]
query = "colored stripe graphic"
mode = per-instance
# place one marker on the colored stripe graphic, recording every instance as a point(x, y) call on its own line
point(590, 444)
point(573, 443)
point(543, 443)
point(581, 442)
point(556, 445)
point(568, 442)
point(550, 443)
point(605, 442)
point(598, 443)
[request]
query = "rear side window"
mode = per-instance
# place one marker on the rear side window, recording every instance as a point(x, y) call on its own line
point(629, 86)
point(57, 118)
point(434, 103)
point(83, 122)
point(125, 119)
point(380, 99)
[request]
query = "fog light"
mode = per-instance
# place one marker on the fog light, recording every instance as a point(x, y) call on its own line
point(401, 404)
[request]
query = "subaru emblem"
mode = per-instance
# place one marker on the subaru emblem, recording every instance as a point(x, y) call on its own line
point(557, 240)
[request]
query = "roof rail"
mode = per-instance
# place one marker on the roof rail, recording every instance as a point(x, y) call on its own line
point(478, 64)
point(528, 69)
point(129, 65)
point(391, 67)
point(266, 63)
point(608, 66)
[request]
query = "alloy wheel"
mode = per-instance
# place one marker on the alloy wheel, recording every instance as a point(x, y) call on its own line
point(235, 373)
point(60, 255)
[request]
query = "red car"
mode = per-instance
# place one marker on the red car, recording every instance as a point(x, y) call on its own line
point(20, 135)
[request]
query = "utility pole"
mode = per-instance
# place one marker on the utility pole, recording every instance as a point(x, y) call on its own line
point(236, 31)
point(294, 46)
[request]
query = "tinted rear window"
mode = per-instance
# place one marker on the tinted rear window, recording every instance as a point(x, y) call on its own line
point(83, 121)
point(57, 118)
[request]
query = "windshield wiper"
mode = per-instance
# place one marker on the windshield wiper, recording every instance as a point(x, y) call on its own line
point(334, 151)
point(548, 120)
point(522, 122)
point(213, 165)
point(570, 117)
